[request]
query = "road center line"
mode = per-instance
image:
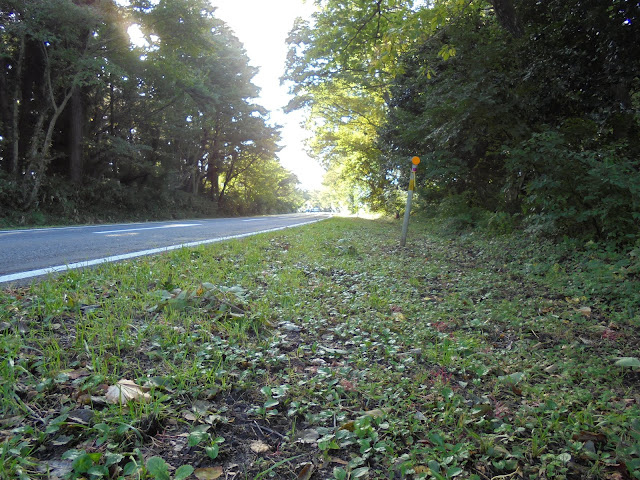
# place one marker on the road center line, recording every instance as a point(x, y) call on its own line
point(173, 225)
point(126, 256)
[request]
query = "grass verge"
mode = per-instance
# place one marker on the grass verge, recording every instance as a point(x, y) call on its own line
point(328, 352)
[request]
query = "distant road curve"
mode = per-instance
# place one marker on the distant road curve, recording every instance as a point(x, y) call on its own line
point(26, 254)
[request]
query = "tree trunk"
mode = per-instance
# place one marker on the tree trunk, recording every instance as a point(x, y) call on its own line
point(112, 116)
point(507, 16)
point(39, 157)
point(229, 175)
point(17, 100)
point(5, 118)
point(213, 174)
point(76, 161)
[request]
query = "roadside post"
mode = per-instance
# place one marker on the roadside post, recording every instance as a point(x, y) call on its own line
point(412, 184)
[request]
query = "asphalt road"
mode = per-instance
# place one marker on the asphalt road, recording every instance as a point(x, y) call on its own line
point(25, 254)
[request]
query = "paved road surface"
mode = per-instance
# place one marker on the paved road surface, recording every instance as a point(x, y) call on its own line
point(26, 254)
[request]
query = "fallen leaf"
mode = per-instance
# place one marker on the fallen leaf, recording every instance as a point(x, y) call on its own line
point(516, 390)
point(201, 407)
point(189, 416)
point(290, 327)
point(585, 435)
point(347, 385)
point(307, 436)
point(258, 446)
point(513, 378)
point(208, 473)
point(377, 413)
point(306, 472)
point(61, 440)
point(11, 421)
point(614, 476)
point(97, 401)
point(360, 472)
point(628, 362)
point(350, 426)
point(586, 311)
point(75, 374)
point(82, 416)
point(56, 469)
point(125, 391)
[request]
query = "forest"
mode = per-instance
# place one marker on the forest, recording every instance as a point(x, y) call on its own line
point(525, 113)
point(94, 128)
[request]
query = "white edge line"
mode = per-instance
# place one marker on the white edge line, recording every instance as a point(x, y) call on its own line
point(141, 253)
point(171, 225)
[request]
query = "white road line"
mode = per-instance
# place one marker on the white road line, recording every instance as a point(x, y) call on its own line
point(79, 227)
point(60, 268)
point(173, 225)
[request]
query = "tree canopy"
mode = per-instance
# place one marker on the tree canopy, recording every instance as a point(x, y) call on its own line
point(92, 124)
point(515, 106)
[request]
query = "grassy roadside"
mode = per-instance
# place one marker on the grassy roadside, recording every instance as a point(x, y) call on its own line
point(328, 352)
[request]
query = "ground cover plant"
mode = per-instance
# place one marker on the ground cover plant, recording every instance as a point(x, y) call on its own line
point(329, 352)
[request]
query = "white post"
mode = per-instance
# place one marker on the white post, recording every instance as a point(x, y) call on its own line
point(412, 183)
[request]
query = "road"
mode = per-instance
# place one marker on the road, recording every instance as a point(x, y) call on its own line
point(25, 254)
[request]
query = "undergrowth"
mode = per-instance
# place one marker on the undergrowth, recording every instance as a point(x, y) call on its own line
point(329, 352)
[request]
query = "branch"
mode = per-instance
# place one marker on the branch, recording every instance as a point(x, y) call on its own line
point(366, 22)
point(47, 69)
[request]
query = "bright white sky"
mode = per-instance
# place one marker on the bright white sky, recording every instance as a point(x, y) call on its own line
point(263, 26)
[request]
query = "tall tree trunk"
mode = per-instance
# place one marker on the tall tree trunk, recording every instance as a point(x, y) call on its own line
point(5, 117)
point(39, 156)
point(228, 177)
point(40, 160)
point(76, 161)
point(507, 16)
point(213, 174)
point(17, 100)
point(112, 115)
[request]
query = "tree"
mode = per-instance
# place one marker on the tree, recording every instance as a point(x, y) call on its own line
point(91, 122)
point(341, 67)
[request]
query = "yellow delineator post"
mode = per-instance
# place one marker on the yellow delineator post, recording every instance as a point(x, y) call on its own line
point(412, 185)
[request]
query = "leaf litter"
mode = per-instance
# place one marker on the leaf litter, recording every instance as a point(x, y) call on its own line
point(465, 356)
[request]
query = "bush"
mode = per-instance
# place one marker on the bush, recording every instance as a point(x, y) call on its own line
point(568, 191)
point(501, 223)
point(459, 214)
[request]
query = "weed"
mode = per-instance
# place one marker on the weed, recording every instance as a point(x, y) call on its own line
point(464, 356)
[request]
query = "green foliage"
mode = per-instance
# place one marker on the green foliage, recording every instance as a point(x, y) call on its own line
point(522, 107)
point(462, 353)
point(82, 108)
point(159, 470)
point(458, 214)
point(340, 66)
point(571, 191)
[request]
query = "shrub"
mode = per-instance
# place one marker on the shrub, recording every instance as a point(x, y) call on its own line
point(593, 193)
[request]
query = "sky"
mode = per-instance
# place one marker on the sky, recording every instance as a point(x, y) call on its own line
point(263, 26)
